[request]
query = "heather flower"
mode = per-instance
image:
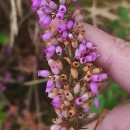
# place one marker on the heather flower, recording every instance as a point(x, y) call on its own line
point(70, 24)
point(43, 73)
point(50, 51)
point(50, 86)
point(62, 8)
point(46, 36)
point(59, 50)
point(56, 101)
point(79, 101)
point(94, 87)
point(73, 78)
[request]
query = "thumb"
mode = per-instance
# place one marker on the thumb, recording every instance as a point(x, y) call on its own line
point(114, 55)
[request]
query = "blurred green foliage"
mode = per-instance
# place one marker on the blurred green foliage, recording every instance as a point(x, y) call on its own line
point(4, 39)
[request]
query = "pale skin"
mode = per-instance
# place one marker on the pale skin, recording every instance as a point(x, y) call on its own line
point(115, 60)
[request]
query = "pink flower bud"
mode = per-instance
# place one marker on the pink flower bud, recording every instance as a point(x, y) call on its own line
point(48, 10)
point(52, 5)
point(103, 77)
point(82, 48)
point(56, 101)
point(70, 24)
point(83, 60)
point(89, 44)
point(43, 73)
point(50, 86)
point(77, 54)
point(46, 36)
point(59, 50)
point(64, 35)
point(96, 102)
point(35, 4)
point(94, 87)
point(77, 89)
point(50, 51)
point(43, 3)
point(47, 21)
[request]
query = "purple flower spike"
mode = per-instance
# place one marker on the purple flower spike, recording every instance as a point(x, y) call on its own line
point(82, 48)
point(56, 101)
point(59, 50)
point(64, 35)
point(94, 87)
point(46, 36)
point(36, 4)
point(43, 73)
point(62, 8)
point(79, 101)
point(60, 15)
point(50, 51)
point(50, 86)
point(96, 102)
point(62, 28)
point(77, 54)
point(83, 60)
point(70, 24)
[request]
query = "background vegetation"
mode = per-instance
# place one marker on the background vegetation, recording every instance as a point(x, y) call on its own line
point(23, 103)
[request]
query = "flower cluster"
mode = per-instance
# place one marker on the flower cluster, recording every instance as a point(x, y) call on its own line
point(73, 78)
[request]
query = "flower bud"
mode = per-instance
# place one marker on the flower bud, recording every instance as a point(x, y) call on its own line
point(52, 5)
point(62, 8)
point(85, 97)
point(59, 50)
point(46, 36)
point(43, 73)
point(74, 73)
point(68, 95)
point(77, 89)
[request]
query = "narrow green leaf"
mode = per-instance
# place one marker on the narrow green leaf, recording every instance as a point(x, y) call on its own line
point(4, 39)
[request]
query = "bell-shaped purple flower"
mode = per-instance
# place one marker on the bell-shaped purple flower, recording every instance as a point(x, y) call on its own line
point(83, 60)
point(50, 51)
point(64, 35)
point(43, 3)
point(43, 73)
point(55, 69)
point(46, 36)
point(70, 24)
point(89, 44)
point(96, 102)
point(42, 18)
point(89, 58)
point(48, 10)
point(56, 101)
point(103, 77)
point(36, 4)
point(62, 8)
point(94, 87)
point(50, 86)
point(79, 101)
point(59, 50)
point(62, 28)
point(99, 77)
point(82, 48)
point(47, 21)
point(60, 15)
point(52, 5)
